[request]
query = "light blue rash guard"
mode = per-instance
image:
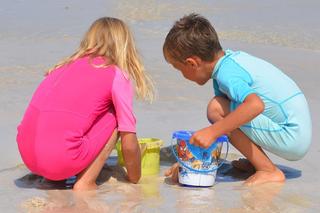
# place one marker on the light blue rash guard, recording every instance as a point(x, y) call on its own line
point(284, 128)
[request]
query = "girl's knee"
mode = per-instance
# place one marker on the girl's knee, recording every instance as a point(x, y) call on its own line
point(217, 109)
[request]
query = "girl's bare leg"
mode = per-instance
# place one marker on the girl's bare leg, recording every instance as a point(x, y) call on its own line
point(86, 180)
point(266, 171)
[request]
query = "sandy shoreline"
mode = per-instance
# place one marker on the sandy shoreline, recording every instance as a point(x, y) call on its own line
point(153, 193)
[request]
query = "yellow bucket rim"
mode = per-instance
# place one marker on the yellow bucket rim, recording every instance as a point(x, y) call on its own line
point(150, 143)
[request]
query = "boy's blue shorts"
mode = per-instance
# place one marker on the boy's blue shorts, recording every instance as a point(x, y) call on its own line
point(285, 140)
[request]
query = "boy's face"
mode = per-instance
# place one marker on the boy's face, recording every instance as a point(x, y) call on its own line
point(194, 69)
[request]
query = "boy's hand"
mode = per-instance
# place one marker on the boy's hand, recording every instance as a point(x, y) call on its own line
point(173, 172)
point(203, 138)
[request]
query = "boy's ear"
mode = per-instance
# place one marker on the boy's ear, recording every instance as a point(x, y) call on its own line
point(193, 61)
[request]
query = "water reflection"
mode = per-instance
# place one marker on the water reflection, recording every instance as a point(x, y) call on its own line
point(196, 199)
point(263, 198)
point(115, 193)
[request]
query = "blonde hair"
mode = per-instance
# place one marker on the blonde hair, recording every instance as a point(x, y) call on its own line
point(111, 38)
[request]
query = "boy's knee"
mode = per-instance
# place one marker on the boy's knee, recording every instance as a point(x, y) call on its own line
point(217, 109)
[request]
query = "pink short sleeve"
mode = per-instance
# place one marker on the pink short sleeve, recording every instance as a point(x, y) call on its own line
point(122, 97)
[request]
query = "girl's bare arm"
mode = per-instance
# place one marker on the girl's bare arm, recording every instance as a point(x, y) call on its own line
point(131, 154)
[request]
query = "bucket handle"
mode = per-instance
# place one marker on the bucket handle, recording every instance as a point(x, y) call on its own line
point(200, 171)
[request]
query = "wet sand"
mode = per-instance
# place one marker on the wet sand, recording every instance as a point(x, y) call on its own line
point(34, 41)
point(152, 193)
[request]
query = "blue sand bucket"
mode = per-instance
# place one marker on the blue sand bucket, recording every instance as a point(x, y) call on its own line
point(197, 166)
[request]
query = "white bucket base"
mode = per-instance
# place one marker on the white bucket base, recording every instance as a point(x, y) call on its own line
point(190, 178)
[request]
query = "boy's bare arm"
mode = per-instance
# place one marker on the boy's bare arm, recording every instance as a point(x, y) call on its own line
point(248, 110)
point(131, 155)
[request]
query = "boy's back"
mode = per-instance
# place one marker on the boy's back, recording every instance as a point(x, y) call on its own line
point(239, 74)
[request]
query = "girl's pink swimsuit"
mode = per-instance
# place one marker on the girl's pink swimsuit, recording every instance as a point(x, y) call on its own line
point(72, 115)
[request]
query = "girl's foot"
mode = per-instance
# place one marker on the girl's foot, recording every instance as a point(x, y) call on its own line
point(173, 172)
point(243, 165)
point(265, 176)
point(80, 186)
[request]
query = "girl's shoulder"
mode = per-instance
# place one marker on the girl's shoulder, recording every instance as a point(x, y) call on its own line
point(120, 73)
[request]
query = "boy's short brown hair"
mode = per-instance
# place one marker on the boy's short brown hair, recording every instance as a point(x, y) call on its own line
point(191, 35)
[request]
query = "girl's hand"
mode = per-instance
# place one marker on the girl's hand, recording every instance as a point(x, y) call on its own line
point(173, 172)
point(203, 138)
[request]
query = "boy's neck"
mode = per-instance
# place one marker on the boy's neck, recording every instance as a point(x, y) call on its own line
point(216, 58)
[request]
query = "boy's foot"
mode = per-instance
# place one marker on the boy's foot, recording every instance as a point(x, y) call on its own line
point(243, 165)
point(265, 176)
point(80, 186)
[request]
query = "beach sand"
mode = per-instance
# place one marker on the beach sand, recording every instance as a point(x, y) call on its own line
point(35, 35)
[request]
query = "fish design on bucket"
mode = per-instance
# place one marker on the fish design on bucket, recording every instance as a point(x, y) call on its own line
point(204, 162)
point(183, 152)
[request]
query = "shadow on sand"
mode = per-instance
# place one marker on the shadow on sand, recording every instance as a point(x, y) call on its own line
point(35, 181)
point(227, 173)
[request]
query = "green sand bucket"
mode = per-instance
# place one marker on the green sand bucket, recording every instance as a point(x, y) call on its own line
point(150, 155)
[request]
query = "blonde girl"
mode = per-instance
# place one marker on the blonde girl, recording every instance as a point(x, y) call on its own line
point(77, 112)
